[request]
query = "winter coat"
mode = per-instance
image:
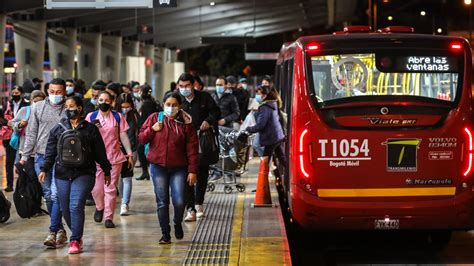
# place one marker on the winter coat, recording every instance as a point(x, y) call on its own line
point(229, 107)
point(267, 124)
point(95, 147)
point(202, 108)
point(175, 145)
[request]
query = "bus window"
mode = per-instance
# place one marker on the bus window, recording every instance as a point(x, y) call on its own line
point(352, 75)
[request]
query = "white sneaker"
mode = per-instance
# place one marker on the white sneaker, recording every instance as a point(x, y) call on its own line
point(124, 210)
point(190, 216)
point(199, 211)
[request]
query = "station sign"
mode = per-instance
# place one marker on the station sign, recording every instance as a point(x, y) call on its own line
point(103, 4)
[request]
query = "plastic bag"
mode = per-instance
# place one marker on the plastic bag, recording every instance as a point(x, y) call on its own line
point(249, 121)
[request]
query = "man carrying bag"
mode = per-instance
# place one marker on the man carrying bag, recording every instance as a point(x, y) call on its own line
point(204, 113)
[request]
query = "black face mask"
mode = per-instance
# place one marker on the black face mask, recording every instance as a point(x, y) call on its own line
point(16, 98)
point(104, 107)
point(71, 114)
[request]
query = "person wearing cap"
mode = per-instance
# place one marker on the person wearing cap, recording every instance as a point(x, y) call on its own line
point(244, 104)
point(20, 121)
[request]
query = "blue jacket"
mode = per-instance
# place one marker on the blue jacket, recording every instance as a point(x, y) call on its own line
point(268, 124)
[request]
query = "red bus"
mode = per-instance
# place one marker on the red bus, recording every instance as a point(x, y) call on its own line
point(380, 130)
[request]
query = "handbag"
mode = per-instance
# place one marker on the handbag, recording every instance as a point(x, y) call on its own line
point(15, 138)
point(208, 147)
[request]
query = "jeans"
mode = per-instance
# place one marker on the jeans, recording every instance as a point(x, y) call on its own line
point(126, 189)
point(164, 179)
point(72, 196)
point(10, 155)
point(50, 195)
point(195, 193)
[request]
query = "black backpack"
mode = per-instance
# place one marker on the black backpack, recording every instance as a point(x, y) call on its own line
point(4, 208)
point(28, 193)
point(208, 147)
point(72, 151)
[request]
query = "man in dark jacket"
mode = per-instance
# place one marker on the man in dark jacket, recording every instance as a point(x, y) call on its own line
point(204, 113)
point(227, 103)
point(90, 105)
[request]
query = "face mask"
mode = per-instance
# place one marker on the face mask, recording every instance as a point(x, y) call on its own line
point(170, 111)
point(104, 107)
point(126, 110)
point(220, 89)
point(56, 99)
point(245, 86)
point(16, 98)
point(258, 98)
point(69, 90)
point(94, 101)
point(185, 91)
point(72, 113)
point(136, 95)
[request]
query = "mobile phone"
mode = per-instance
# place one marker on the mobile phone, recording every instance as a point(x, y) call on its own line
point(96, 122)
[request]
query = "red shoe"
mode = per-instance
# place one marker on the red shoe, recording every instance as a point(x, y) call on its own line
point(75, 247)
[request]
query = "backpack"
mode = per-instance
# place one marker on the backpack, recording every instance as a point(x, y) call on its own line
point(161, 116)
point(115, 114)
point(28, 194)
point(4, 208)
point(72, 151)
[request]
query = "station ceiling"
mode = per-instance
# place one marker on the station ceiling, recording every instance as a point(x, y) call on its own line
point(183, 27)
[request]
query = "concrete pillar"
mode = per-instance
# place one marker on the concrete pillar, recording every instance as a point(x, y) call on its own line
point(62, 48)
point(111, 58)
point(129, 48)
point(170, 71)
point(3, 23)
point(149, 68)
point(29, 37)
point(88, 57)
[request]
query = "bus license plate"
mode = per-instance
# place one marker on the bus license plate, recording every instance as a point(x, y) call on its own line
point(387, 224)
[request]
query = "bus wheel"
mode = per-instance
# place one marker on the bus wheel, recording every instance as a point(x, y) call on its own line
point(438, 240)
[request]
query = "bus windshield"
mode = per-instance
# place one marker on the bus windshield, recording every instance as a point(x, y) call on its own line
point(373, 74)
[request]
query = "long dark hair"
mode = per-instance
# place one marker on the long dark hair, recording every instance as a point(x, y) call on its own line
point(79, 102)
point(126, 98)
point(271, 94)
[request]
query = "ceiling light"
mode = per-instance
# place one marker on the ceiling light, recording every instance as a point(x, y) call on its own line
point(212, 3)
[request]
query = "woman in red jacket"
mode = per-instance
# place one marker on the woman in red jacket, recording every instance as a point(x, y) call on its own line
point(173, 154)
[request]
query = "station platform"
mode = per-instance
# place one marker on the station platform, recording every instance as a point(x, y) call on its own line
point(231, 233)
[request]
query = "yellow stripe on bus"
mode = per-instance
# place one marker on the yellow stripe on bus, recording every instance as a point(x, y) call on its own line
point(386, 192)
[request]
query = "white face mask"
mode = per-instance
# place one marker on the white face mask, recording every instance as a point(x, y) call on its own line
point(171, 111)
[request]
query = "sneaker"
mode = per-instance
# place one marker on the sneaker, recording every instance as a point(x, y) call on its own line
point(109, 224)
point(190, 216)
point(75, 247)
point(178, 231)
point(165, 239)
point(61, 237)
point(8, 189)
point(98, 216)
point(199, 211)
point(124, 210)
point(50, 241)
